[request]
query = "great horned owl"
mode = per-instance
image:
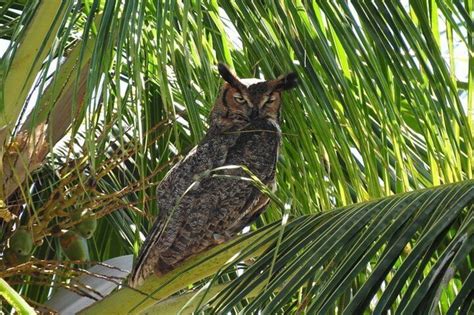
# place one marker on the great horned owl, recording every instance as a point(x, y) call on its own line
point(199, 210)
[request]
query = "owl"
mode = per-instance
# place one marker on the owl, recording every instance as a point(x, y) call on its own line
point(202, 202)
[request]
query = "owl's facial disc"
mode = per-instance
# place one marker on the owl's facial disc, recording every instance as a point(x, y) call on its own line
point(239, 98)
point(249, 99)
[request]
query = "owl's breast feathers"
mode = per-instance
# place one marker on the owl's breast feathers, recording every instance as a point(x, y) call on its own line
point(199, 208)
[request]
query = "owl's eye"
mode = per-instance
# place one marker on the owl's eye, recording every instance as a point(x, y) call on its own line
point(239, 99)
point(271, 99)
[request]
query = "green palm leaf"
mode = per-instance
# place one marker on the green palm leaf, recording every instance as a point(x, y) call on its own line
point(371, 255)
point(384, 112)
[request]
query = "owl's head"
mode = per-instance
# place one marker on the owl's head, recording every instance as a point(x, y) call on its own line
point(242, 101)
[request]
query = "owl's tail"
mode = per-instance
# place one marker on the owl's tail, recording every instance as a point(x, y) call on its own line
point(140, 271)
point(148, 258)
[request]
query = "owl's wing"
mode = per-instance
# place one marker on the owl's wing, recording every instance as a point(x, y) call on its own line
point(205, 215)
point(221, 206)
point(259, 152)
point(140, 267)
point(173, 191)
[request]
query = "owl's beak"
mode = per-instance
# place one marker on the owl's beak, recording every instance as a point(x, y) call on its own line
point(254, 113)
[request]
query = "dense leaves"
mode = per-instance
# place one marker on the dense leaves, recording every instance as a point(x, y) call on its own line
point(384, 107)
point(402, 247)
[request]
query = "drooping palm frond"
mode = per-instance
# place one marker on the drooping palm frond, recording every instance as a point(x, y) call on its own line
point(396, 253)
point(400, 253)
point(385, 106)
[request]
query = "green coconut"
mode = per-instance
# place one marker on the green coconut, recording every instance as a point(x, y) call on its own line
point(74, 246)
point(21, 242)
point(85, 228)
point(11, 258)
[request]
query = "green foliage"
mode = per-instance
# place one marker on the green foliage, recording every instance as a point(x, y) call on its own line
point(385, 107)
point(15, 299)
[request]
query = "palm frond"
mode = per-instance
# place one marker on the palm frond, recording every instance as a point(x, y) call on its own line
point(118, 91)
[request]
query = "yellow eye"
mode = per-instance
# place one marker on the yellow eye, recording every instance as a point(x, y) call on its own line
point(270, 100)
point(239, 99)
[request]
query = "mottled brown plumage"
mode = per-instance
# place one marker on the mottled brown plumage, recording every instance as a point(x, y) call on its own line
point(199, 210)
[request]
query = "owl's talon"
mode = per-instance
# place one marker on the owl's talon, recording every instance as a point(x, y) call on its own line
point(219, 238)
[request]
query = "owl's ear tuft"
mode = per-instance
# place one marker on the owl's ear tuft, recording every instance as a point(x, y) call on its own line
point(286, 82)
point(228, 76)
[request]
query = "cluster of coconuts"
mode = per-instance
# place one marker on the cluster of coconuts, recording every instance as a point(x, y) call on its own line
point(73, 242)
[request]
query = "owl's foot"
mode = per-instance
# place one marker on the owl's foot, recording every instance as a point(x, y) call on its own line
point(221, 238)
point(162, 268)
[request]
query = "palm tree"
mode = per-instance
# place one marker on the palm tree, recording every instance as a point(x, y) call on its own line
point(374, 206)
